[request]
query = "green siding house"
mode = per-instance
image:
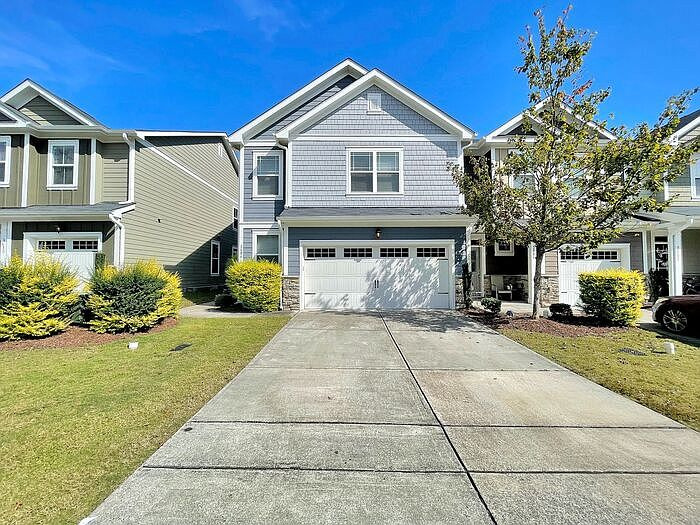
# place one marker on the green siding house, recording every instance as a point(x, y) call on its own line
point(72, 187)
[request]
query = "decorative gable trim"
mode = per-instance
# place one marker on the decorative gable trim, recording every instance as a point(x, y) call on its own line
point(392, 87)
point(346, 67)
point(28, 90)
point(680, 133)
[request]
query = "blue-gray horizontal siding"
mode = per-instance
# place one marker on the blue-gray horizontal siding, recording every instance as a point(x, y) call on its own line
point(319, 174)
point(395, 118)
point(294, 235)
point(269, 132)
point(258, 210)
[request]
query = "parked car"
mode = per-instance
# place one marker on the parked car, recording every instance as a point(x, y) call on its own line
point(677, 314)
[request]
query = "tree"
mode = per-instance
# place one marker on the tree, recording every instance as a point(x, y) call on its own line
point(576, 182)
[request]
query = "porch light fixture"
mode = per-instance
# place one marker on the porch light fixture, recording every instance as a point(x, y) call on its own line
point(378, 233)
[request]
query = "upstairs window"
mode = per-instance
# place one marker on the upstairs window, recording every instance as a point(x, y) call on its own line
point(5, 151)
point(374, 102)
point(267, 177)
point(375, 171)
point(695, 176)
point(62, 165)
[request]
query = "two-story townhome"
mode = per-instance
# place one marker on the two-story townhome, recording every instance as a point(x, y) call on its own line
point(72, 187)
point(346, 184)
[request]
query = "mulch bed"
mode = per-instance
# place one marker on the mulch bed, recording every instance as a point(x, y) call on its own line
point(76, 336)
point(577, 326)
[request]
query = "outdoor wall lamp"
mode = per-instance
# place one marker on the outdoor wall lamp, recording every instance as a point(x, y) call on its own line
point(378, 233)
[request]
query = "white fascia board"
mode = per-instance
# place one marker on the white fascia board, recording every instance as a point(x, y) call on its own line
point(346, 67)
point(27, 90)
point(690, 126)
point(16, 116)
point(382, 81)
point(380, 221)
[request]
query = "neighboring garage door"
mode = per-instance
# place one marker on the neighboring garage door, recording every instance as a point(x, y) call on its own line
point(362, 277)
point(76, 252)
point(574, 261)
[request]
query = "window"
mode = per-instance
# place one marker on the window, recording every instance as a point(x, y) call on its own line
point(393, 252)
point(235, 218)
point(85, 245)
point(62, 165)
point(5, 154)
point(695, 176)
point(502, 248)
point(267, 248)
point(215, 258)
point(320, 253)
point(51, 245)
point(357, 253)
point(577, 254)
point(267, 178)
point(573, 254)
point(430, 252)
point(374, 102)
point(661, 253)
point(375, 171)
point(605, 255)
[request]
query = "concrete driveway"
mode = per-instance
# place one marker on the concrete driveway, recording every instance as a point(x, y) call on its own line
point(413, 417)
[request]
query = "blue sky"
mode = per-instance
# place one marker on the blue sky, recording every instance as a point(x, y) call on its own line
point(214, 65)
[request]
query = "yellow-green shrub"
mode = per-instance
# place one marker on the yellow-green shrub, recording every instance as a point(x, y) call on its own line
point(135, 298)
point(614, 296)
point(256, 284)
point(37, 298)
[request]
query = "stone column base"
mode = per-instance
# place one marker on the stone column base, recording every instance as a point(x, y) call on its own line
point(550, 289)
point(290, 293)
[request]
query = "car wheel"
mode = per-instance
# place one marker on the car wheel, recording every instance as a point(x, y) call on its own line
point(675, 320)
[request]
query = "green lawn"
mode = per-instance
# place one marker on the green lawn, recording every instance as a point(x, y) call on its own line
point(669, 384)
point(75, 422)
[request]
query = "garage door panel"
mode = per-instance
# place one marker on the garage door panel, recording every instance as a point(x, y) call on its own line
point(574, 263)
point(376, 283)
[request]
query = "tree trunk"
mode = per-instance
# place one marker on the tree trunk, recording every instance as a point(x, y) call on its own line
point(537, 283)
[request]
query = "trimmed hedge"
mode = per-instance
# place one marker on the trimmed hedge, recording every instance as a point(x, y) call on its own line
point(132, 299)
point(561, 310)
point(256, 284)
point(37, 299)
point(491, 304)
point(614, 296)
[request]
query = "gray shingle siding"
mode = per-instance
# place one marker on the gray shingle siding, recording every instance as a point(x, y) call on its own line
point(258, 210)
point(269, 132)
point(396, 118)
point(45, 113)
point(364, 234)
point(320, 174)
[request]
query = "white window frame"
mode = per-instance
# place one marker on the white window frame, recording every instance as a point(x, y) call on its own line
point(374, 103)
point(258, 154)
point(503, 253)
point(374, 152)
point(694, 176)
point(265, 233)
point(218, 258)
point(76, 162)
point(7, 141)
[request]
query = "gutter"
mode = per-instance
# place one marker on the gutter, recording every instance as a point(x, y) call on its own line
point(116, 218)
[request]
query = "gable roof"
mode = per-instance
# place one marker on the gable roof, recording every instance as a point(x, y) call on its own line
point(14, 115)
point(296, 99)
point(513, 126)
point(28, 90)
point(687, 123)
point(391, 86)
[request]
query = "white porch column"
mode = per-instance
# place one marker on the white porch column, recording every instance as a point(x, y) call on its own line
point(646, 252)
point(5, 242)
point(675, 262)
point(530, 272)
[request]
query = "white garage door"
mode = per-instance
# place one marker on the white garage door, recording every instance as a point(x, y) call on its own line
point(361, 277)
point(574, 261)
point(77, 253)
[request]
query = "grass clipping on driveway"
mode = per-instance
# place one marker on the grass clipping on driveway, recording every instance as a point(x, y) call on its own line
point(669, 384)
point(75, 422)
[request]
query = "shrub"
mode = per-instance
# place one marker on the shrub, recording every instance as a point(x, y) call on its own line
point(613, 296)
point(37, 299)
point(224, 300)
point(561, 310)
point(256, 284)
point(132, 299)
point(491, 304)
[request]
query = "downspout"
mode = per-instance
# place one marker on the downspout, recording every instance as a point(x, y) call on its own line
point(285, 179)
point(118, 253)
